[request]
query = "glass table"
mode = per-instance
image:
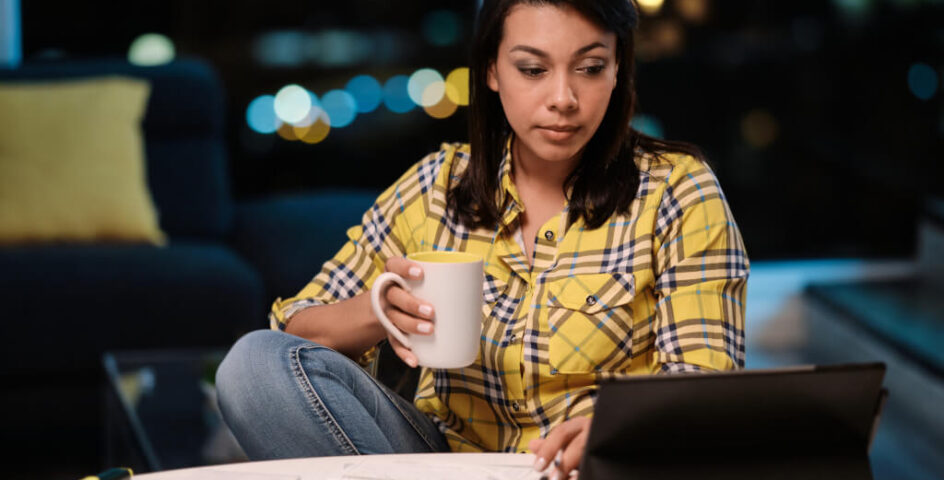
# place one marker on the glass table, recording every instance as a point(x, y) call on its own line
point(161, 411)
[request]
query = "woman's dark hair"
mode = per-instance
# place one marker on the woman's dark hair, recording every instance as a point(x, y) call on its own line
point(607, 177)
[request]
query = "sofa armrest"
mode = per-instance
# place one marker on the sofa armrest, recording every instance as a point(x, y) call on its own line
point(289, 237)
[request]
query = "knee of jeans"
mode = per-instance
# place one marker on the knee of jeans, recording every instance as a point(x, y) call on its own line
point(261, 357)
point(243, 363)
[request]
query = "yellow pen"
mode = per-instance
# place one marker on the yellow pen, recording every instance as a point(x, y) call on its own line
point(116, 473)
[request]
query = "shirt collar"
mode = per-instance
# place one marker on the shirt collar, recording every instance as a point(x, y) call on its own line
point(508, 198)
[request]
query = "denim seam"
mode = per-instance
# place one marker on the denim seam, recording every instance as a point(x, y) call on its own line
point(318, 405)
point(403, 414)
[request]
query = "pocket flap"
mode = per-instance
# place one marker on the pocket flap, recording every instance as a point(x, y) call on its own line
point(592, 293)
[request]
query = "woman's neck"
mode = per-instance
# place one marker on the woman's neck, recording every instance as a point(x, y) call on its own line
point(535, 174)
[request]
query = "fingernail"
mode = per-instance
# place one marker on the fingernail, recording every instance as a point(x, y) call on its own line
point(415, 272)
point(425, 327)
point(411, 362)
point(539, 464)
point(555, 475)
point(426, 310)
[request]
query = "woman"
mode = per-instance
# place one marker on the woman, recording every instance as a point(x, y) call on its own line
point(608, 253)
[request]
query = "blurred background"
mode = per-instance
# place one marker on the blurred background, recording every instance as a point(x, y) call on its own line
point(824, 121)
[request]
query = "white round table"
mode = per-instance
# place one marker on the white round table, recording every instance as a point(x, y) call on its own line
point(452, 466)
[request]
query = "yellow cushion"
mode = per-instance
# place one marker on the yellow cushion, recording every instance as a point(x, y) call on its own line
point(72, 162)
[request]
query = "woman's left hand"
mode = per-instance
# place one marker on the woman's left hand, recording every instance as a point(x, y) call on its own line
point(569, 438)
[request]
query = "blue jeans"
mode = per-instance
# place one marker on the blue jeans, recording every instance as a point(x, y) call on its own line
point(285, 397)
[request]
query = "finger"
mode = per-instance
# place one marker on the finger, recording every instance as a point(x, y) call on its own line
point(406, 302)
point(570, 459)
point(556, 440)
point(535, 444)
point(404, 353)
point(408, 323)
point(404, 268)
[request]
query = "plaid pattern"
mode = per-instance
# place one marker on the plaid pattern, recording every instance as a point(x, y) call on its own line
point(657, 290)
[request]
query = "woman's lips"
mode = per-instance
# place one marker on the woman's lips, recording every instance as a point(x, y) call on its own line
point(558, 133)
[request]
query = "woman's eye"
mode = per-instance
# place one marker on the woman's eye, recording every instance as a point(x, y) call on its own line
point(593, 69)
point(531, 71)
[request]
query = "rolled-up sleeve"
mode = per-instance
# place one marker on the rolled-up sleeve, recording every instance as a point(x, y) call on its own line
point(701, 271)
point(386, 230)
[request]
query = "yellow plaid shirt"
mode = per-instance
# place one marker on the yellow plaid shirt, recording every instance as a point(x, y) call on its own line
point(658, 290)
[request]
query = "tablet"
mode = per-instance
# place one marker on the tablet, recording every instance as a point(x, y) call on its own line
point(796, 422)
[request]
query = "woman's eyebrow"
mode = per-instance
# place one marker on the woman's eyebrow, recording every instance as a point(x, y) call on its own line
point(543, 54)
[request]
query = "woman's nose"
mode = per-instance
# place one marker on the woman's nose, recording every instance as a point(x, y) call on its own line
point(562, 96)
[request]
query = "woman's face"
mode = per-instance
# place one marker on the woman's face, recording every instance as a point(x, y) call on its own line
point(554, 72)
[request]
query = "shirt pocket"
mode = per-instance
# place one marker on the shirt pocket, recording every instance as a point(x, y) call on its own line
point(590, 322)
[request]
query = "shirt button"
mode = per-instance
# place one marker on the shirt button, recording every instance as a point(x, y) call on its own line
point(513, 338)
point(549, 235)
point(515, 406)
point(591, 300)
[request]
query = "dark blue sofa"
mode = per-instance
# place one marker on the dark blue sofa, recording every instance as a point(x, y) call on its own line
point(64, 305)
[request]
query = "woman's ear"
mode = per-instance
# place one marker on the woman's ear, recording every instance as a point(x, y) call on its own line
point(615, 75)
point(492, 78)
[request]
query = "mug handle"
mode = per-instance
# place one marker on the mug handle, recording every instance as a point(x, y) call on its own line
point(377, 304)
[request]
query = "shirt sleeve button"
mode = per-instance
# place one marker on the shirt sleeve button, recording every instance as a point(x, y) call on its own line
point(515, 406)
point(591, 300)
point(549, 235)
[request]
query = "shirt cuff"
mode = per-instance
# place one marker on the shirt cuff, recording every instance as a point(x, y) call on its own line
point(281, 315)
point(679, 367)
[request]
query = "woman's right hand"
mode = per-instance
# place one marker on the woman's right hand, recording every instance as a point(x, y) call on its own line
point(406, 312)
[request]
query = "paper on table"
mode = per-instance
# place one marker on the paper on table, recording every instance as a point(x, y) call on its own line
point(410, 470)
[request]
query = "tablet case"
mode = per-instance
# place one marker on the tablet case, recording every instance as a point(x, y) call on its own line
point(803, 422)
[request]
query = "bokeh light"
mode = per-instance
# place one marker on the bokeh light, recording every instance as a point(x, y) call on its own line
point(287, 132)
point(457, 86)
point(759, 128)
point(295, 113)
point(922, 81)
point(669, 37)
point(452, 93)
point(650, 7)
point(339, 48)
point(426, 87)
point(260, 115)
point(151, 49)
point(442, 109)
point(292, 103)
point(314, 112)
point(693, 11)
point(648, 125)
point(441, 27)
point(282, 48)
point(340, 107)
point(433, 94)
point(395, 95)
point(854, 11)
point(315, 132)
point(366, 91)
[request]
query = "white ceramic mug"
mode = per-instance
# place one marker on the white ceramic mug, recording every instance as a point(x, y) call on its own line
point(452, 284)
